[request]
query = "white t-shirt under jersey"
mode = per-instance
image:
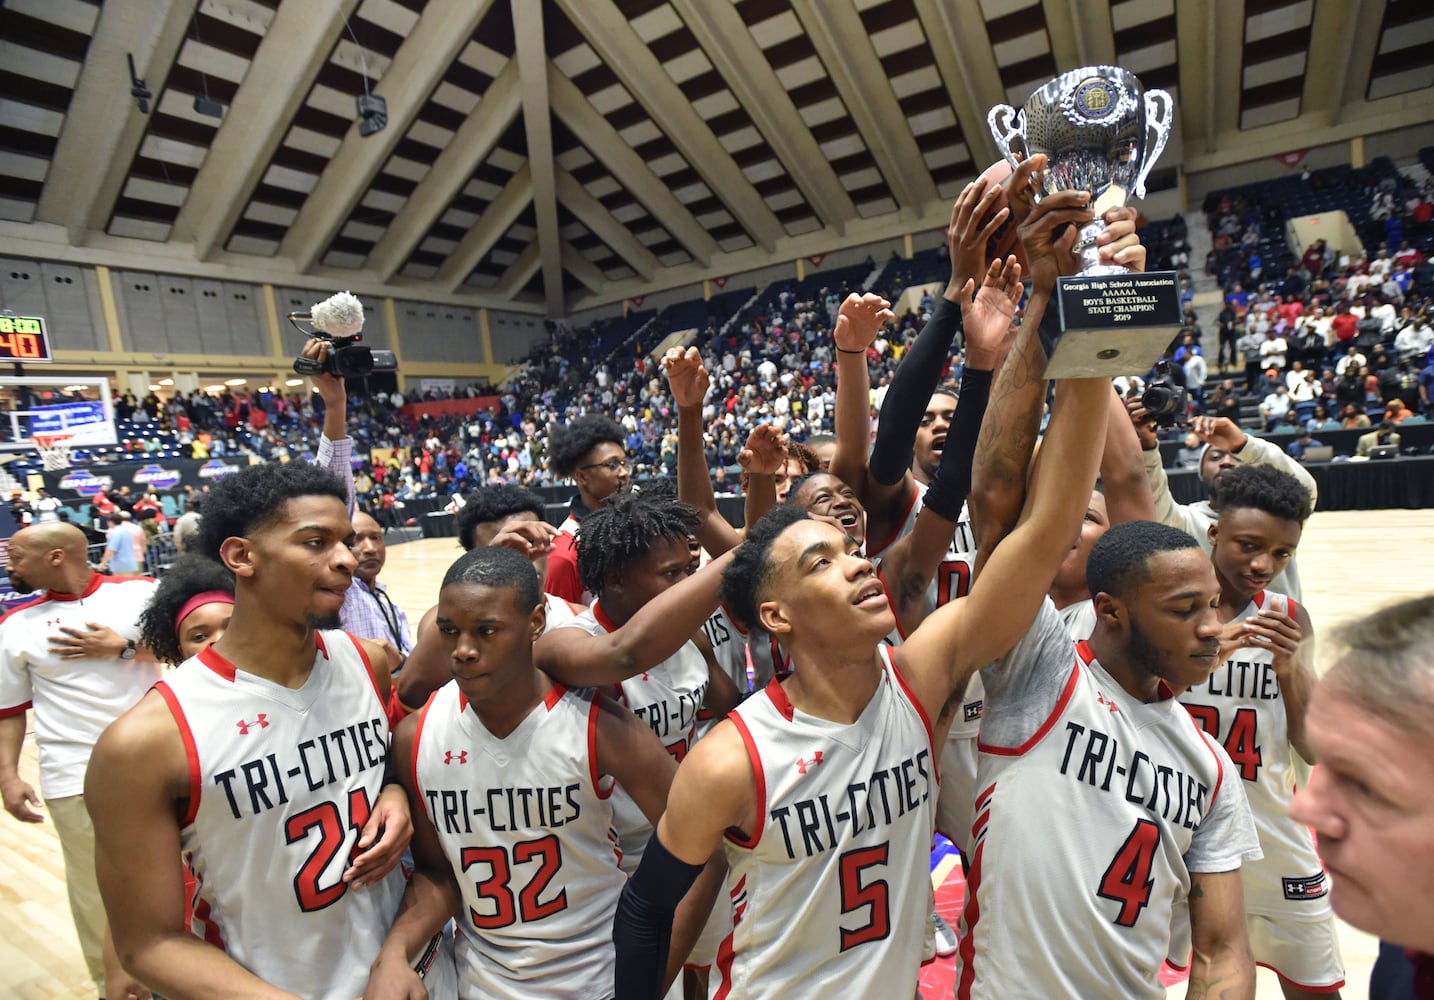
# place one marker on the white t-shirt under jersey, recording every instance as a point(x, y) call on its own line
point(74, 700)
point(1092, 811)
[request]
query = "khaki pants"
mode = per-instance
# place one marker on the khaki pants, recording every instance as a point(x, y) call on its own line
point(77, 839)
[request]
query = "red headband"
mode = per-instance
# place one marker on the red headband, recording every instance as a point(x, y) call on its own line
point(206, 597)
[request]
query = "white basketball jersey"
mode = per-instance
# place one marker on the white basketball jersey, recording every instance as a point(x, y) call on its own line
point(281, 782)
point(560, 611)
point(1240, 705)
point(1080, 619)
point(1086, 831)
point(667, 698)
point(832, 890)
point(526, 825)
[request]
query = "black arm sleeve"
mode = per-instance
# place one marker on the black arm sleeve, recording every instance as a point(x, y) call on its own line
point(642, 928)
point(911, 387)
point(949, 489)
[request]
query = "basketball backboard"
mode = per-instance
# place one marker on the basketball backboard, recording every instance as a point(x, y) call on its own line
point(77, 408)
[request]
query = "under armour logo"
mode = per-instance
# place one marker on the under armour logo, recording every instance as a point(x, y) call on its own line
point(1107, 703)
point(803, 763)
point(461, 756)
point(53, 621)
point(262, 722)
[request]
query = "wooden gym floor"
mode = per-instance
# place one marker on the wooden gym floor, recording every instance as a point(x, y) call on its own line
point(1350, 563)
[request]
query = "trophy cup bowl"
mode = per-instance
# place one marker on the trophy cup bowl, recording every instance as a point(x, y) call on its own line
point(1101, 132)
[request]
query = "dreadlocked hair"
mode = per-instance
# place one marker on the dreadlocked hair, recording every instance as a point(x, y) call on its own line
point(625, 529)
point(804, 456)
point(190, 575)
point(1271, 490)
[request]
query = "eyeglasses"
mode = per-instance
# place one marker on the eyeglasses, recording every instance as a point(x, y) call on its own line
point(611, 465)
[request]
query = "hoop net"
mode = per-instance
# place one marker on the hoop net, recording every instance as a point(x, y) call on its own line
point(54, 451)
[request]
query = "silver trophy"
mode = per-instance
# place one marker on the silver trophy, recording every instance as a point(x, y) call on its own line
point(1101, 132)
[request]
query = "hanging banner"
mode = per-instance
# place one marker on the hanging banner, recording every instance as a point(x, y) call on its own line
point(1292, 159)
point(816, 260)
point(721, 282)
point(637, 301)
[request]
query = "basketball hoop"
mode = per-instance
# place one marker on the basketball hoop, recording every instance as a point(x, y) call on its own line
point(54, 451)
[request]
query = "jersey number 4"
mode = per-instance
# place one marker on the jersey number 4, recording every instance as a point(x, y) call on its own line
point(332, 837)
point(1127, 880)
point(528, 907)
point(1240, 742)
point(856, 893)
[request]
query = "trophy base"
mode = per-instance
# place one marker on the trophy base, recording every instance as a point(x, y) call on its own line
point(1114, 324)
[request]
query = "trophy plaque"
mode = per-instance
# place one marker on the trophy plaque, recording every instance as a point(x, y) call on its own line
point(1101, 132)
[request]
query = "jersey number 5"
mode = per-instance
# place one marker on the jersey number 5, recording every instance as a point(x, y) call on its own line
point(1127, 880)
point(1240, 742)
point(855, 894)
point(332, 836)
point(549, 855)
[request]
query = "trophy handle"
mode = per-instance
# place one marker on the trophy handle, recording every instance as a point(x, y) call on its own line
point(1008, 127)
point(1159, 117)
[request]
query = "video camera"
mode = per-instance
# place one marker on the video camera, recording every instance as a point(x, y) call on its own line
point(339, 319)
point(1165, 399)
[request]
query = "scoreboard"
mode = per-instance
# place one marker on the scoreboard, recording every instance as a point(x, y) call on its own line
point(24, 338)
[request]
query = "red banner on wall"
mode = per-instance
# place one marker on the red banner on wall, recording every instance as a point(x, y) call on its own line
point(1292, 159)
point(816, 259)
point(462, 407)
point(637, 301)
point(721, 282)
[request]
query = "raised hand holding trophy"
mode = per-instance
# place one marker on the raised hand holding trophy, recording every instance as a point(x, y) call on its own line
point(1101, 132)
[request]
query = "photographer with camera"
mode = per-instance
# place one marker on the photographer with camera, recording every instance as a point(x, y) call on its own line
point(1226, 446)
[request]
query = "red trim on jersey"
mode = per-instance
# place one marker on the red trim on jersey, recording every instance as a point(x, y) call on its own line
point(191, 753)
point(394, 709)
point(1292, 609)
point(1177, 966)
point(554, 695)
point(1040, 733)
point(1299, 985)
point(981, 799)
point(321, 645)
point(1219, 767)
point(413, 757)
point(1259, 600)
point(735, 624)
point(368, 665)
point(780, 700)
point(216, 662)
point(31, 603)
point(602, 619)
point(6, 713)
point(895, 532)
point(891, 603)
point(972, 916)
point(462, 701)
point(755, 759)
point(920, 712)
point(726, 951)
point(593, 711)
point(202, 913)
point(93, 585)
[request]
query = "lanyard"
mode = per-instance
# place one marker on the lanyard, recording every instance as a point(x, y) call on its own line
point(390, 615)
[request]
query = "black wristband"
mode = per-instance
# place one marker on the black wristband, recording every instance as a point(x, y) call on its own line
point(843, 350)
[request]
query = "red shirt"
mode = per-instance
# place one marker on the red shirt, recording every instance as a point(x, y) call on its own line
point(1345, 326)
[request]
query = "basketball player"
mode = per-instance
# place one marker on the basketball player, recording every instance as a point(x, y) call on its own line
point(262, 762)
point(500, 514)
point(71, 654)
point(633, 553)
point(1254, 704)
point(1227, 446)
point(509, 778)
point(1371, 800)
point(822, 788)
point(1137, 804)
point(590, 450)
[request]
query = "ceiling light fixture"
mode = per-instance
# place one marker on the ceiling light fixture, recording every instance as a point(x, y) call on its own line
point(137, 89)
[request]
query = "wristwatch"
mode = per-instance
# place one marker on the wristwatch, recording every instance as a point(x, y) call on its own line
point(129, 651)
